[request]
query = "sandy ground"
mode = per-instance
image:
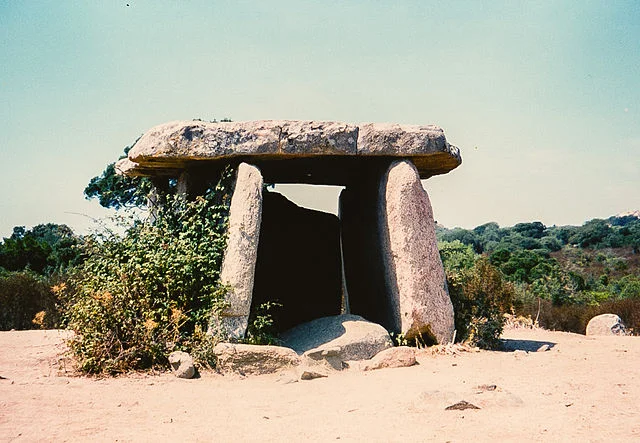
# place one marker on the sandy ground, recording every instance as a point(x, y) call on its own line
point(582, 389)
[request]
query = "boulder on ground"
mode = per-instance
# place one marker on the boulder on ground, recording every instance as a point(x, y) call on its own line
point(338, 338)
point(254, 359)
point(397, 357)
point(606, 324)
point(182, 364)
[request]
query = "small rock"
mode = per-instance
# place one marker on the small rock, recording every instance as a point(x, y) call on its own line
point(397, 357)
point(461, 406)
point(329, 358)
point(520, 353)
point(484, 388)
point(310, 374)
point(182, 364)
point(606, 324)
point(543, 348)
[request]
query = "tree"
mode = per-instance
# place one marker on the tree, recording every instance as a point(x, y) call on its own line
point(116, 191)
point(533, 230)
point(591, 234)
point(45, 249)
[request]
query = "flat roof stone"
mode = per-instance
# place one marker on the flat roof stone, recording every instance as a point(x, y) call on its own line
point(288, 151)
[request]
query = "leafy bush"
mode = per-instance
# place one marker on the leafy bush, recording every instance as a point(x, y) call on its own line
point(140, 296)
point(261, 329)
point(24, 297)
point(479, 294)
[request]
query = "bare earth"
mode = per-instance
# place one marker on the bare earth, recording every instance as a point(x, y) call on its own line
point(582, 389)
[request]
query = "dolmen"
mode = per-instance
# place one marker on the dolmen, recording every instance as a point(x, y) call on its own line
point(378, 258)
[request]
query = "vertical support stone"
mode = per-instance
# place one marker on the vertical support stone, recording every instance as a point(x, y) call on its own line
point(412, 256)
point(184, 184)
point(238, 265)
point(155, 198)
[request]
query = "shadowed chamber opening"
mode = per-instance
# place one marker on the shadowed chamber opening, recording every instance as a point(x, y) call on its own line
point(317, 264)
point(299, 262)
point(364, 239)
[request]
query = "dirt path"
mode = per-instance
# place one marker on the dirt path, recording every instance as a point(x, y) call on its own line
point(582, 389)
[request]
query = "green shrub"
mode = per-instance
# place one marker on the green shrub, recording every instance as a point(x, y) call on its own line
point(480, 302)
point(261, 329)
point(139, 296)
point(24, 297)
point(479, 294)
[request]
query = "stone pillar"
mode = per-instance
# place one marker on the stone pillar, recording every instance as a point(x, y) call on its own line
point(156, 196)
point(238, 265)
point(412, 258)
point(192, 183)
point(184, 184)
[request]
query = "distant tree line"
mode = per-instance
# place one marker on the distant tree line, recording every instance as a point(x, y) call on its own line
point(589, 265)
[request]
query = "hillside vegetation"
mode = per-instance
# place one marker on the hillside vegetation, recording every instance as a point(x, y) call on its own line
point(563, 275)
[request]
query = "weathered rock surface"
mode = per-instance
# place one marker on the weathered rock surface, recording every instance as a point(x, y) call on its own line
point(420, 292)
point(181, 144)
point(238, 266)
point(606, 324)
point(397, 357)
point(198, 140)
point(341, 338)
point(182, 364)
point(254, 359)
point(328, 358)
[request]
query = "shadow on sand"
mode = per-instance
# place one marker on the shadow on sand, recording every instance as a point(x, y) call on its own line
point(510, 345)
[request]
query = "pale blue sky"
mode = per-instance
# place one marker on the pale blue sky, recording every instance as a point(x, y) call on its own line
point(543, 98)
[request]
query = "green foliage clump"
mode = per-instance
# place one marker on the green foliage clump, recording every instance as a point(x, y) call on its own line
point(589, 265)
point(261, 329)
point(479, 294)
point(31, 261)
point(139, 296)
point(117, 191)
point(26, 301)
point(45, 249)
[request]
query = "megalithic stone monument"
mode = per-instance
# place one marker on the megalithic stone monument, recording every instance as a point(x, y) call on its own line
point(378, 258)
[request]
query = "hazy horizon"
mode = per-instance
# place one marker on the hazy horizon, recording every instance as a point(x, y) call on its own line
point(541, 97)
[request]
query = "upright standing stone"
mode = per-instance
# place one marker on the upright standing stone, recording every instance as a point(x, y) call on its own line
point(413, 261)
point(238, 265)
